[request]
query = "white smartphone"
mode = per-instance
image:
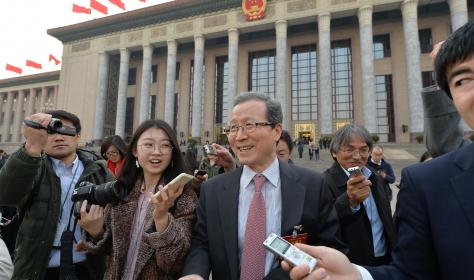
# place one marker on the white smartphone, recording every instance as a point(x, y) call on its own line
point(288, 252)
point(174, 184)
point(354, 171)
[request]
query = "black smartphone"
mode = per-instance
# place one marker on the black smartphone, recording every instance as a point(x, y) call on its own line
point(201, 173)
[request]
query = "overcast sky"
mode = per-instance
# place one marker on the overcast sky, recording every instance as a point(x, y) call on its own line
point(23, 26)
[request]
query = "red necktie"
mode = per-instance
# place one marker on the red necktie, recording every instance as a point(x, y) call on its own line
point(253, 255)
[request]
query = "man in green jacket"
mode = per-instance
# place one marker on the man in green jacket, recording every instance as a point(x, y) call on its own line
point(39, 179)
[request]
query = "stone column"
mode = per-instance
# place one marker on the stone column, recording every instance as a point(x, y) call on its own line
point(412, 60)
point(325, 82)
point(197, 86)
point(146, 83)
point(458, 9)
point(367, 68)
point(281, 69)
point(233, 58)
point(170, 80)
point(122, 93)
point(44, 96)
point(101, 96)
point(56, 96)
point(31, 102)
point(18, 116)
point(8, 116)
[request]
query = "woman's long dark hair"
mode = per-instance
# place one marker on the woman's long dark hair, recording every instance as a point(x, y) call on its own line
point(130, 173)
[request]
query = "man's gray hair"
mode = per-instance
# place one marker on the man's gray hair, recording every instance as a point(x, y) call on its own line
point(274, 112)
point(344, 135)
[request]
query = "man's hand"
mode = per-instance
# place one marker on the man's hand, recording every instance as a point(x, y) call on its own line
point(332, 264)
point(92, 221)
point(382, 174)
point(191, 277)
point(36, 138)
point(224, 158)
point(358, 189)
point(435, 50)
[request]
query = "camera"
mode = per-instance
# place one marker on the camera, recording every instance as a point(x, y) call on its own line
point(209, 150)
point(53, 127)
point(96, 194)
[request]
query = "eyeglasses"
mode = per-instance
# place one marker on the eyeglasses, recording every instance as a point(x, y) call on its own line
point(364, 152)
point(112, 154)
point(163, 148)
point(247, 127)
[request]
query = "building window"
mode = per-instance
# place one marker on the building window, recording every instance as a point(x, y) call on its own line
point(342, 105)
point(132, 76)
point(2, 118)
point(221, 97)
point(426, 40)
point(382, 46)
point(154, 73)
point(129, 114)
point(152, 106)
point(428, 78)
point(384, 106)
point(304, 86)
point(178, 69)
point(191, 94)
point(262, 72)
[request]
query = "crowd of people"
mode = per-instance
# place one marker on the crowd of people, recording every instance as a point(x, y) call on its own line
point(134, 222)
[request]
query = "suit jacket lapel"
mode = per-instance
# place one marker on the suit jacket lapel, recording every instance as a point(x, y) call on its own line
point(228, 199)
point(463, 183)
point(292, 199)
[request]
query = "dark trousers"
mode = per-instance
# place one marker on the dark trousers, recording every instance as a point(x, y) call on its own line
point(80, 270)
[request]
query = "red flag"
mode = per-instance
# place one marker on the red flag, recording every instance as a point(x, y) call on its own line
point(142, 1)
point(118, 3)
point(56, 61)
point(33, 64)
point(12, 68)
point(80, 9)
point(96, 5)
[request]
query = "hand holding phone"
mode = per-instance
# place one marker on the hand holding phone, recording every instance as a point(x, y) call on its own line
point(354, 171)
point(288, 252)
point(200, 173)
point(181, 179)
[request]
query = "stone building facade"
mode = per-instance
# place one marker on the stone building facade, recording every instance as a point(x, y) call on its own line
point(329, 62)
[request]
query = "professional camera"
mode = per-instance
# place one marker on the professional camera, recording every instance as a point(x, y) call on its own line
point(96, 194)
point(54, 126)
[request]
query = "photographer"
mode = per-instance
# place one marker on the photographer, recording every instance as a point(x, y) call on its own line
point(146, 236)
point(39, 179)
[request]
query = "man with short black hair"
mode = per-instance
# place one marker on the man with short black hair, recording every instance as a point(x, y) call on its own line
point(39, 179)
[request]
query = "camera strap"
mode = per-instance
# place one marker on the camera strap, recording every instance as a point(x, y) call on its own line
point(66, 265)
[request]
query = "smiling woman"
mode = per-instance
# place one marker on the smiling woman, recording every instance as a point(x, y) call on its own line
point(150, 235)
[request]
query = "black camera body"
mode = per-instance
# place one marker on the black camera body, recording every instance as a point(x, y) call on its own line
point(96, 194)
point(54, 126)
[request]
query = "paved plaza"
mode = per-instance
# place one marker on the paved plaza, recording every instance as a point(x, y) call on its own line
point(398, 155)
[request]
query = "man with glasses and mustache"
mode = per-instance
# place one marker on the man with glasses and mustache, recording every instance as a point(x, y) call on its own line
point(239, 209)
point(39, 179)
point(361, 203)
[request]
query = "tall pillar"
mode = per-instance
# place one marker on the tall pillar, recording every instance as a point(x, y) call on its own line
point(18, 116)
point(146, 83)
point(325, 82)
point(367, 68)
point(197, 86)
point(101, 96)
point(8, 116)
point(56, 96)
point(44, 96)
point(170, 80)
point(458, 9)
point(412, 60)
point(281, 68)
point(122, 93)
point(233, 58)
point(31, 102)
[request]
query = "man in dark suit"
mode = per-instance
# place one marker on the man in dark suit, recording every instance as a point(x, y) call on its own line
point(226, 240)
point(435, 208)
point(361, 202)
